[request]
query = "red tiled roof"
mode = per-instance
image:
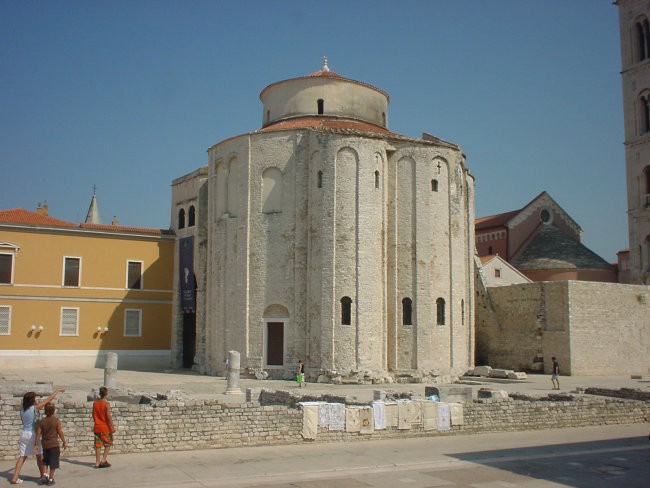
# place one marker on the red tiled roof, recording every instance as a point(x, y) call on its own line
point(329, 74)
point(486, 258)
point(498, 220)
point(325, 122)
point(122, 228)
point(22, 216)
point(25, 217)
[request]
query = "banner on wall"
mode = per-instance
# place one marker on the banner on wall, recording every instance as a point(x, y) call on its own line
point(186, 275)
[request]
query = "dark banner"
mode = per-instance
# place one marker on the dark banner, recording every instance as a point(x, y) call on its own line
point(186, 274)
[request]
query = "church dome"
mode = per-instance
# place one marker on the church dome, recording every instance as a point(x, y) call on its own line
point(324, 94)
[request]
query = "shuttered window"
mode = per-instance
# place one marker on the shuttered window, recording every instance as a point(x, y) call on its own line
point(69, 321)
point(5, 320)
point(133, 323)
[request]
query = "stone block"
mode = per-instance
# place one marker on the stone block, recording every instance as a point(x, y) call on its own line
point(517, 375)
point(482, 370)
point(500, 373)
point(450, 394)
point(493, 394)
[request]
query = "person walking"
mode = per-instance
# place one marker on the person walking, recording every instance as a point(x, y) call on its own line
point(49, 429)
point(103, 428)
point(300, 373)
point(29, 417)
point(555, 377)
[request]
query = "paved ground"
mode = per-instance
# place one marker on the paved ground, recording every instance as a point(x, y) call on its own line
point(594, 457)
point(584, 458)
point(78, 383)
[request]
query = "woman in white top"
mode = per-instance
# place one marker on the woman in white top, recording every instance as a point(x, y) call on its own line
point(29, 417)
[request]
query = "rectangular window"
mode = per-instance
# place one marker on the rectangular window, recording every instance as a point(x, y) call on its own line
point(134, 275)
point(71, 271)
point(133, 323)
point(6, 268)
point(5, 320)
point(497, 273)
point(69, 321)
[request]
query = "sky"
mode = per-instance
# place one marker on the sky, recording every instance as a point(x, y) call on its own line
point(129, 95)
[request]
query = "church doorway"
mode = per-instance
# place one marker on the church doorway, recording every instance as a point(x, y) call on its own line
point(189, 339)
point(275, 343)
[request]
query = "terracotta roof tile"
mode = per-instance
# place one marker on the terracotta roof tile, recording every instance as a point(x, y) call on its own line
point(22, 216)
point(498, 220)
point(26, 217)
point(324, 122)
point(122, 228)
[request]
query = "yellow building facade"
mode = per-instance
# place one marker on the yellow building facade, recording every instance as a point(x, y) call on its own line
point(71, 293)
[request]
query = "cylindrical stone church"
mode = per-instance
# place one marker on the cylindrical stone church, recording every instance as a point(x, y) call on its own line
point(323, 236)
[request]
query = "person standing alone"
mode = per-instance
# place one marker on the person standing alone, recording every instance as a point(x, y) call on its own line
point(103, 428)
point(555, 377)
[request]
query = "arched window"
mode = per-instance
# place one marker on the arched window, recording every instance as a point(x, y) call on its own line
point(383, 118)
point(181, 218)
point(645, 113)
point(440, 311)
point(642, 34)
point(268, 116)
point(434, 185)
point(376, 179)
point(407, 306)
point(462, 312)
point(191, 218)
point(321, 106)
point(490, 250)
point(319, 180)
point(272, 191)
point(346, 311)
point(646, 175)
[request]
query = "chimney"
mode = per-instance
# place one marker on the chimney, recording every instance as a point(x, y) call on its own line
point(42, 209)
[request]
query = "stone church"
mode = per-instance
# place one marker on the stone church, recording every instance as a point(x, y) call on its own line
point(325, 237)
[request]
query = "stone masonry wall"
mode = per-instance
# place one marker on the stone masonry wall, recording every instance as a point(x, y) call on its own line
point(207, 424)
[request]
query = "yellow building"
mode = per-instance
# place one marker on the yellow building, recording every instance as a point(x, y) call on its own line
point(70, 293)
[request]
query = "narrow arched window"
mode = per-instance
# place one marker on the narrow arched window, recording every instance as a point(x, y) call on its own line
point(191, 217)
point(440, 311)
point(645, 115)
point(434, 185)
point(268, 116)
point(181, 218)
point(642, 34)
point(383, 118)
point(407, 309)
point(376, 179)
point(346, 311)
point(321, 106)
point(462, 312)
point(646, 173)
point(490, 250)
point(319, 180)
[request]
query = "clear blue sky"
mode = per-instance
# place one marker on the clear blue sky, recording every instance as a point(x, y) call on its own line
point(129, 95)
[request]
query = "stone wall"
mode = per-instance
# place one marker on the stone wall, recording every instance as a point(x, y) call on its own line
point(207, 424)
point(592, 328)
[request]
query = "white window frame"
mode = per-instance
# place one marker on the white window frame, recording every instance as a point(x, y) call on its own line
point(8, 307)
point(126, 312)
point(13, 267)
point(126, 285)
point(76, 334)
point(63, 271)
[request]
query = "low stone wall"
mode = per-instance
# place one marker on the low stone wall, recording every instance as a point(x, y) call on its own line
point(204, 424)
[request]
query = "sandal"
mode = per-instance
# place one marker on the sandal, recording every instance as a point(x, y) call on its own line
point(17, 482)
point(105, 464)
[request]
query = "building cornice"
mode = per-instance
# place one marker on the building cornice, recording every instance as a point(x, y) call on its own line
point(165, 235)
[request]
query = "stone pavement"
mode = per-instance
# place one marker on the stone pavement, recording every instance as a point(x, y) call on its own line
point(590, 457)
point(79, 383)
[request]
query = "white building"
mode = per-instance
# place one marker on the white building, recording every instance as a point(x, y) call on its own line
point(323, 236)
point(634, 17)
